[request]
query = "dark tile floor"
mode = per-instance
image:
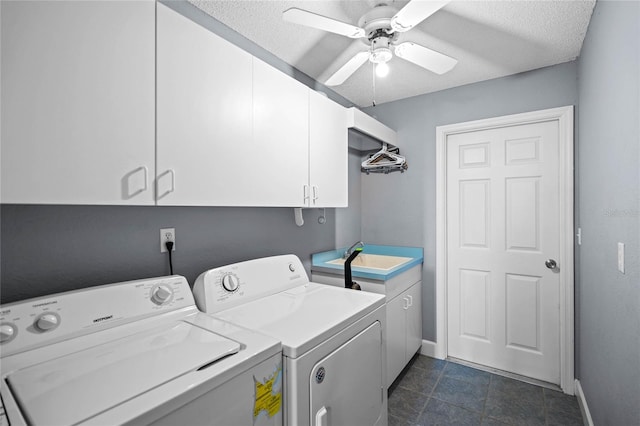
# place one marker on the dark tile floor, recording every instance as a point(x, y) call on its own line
point(435, 392)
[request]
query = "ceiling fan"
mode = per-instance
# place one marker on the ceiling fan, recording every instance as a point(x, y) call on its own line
point(380, 28)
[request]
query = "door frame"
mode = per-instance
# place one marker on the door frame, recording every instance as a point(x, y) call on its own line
point(564, 116)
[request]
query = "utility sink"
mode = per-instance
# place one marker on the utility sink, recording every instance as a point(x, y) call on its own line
point(374, 261)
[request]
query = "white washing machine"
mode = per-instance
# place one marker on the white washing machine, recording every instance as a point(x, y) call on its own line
point(134, 353)
point(332, 338)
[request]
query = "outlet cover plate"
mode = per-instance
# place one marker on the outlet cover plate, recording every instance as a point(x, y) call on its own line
point(167, 234)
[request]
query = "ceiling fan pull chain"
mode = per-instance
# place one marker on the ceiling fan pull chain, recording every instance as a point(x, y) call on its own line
point(373, 76)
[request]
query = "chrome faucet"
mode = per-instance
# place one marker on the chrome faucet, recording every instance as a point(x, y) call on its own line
point(351, 249)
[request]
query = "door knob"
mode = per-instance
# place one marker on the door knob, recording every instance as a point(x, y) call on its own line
point(551, 264)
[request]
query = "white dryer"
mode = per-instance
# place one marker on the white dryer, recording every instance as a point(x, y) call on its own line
point(332, 338)
point(137, 352)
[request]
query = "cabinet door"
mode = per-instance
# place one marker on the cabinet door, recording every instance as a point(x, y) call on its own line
point(277, 167)
point(78, 102)
point(204, 110)
point(396, 336)
point(328, 156)
point(414, 319)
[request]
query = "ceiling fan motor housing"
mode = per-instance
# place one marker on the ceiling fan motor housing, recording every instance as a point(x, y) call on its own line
point(377, 27)
point(380, 51)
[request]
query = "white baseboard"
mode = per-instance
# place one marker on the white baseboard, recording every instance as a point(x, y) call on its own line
point(428, 348)
point(582, 402)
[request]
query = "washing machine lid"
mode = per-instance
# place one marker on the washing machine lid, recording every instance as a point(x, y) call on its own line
point(78, 386)
point(304, 316)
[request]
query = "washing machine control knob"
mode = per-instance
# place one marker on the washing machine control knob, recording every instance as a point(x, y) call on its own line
point(161, 294)
point(230, 282)
point(47, 321)
point(7, 332)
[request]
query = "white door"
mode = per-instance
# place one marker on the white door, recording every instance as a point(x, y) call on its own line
point(502, 225)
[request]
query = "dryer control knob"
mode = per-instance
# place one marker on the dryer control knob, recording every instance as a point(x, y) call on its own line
point(7, 332)
point(161, 294)
point(230, 282)
point(46, 322)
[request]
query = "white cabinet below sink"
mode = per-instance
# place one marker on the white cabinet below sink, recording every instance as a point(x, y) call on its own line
point(404, 329)
point(404, 313)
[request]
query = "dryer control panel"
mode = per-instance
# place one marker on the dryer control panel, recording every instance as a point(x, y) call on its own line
point(227, 286)
point(43, 320)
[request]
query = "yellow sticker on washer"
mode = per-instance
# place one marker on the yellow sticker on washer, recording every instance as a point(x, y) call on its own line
point(268, 395)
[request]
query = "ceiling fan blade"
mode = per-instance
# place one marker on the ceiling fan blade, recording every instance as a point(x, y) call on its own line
point(426, 58)
point(347, 69)
point(313, 20)
point(415, 12)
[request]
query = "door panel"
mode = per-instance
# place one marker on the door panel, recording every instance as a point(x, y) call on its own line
point(503, 222)
point(474, 303)
point(474, 213)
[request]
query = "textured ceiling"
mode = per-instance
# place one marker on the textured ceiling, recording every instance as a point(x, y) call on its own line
point(489, 39)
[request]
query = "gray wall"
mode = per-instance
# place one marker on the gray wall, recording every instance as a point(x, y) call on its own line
point(609, 212)
point(48, 249)
point(401, 208)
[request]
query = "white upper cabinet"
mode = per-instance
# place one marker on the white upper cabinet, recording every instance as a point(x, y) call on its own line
point(78, 102)
point(91, 114)
point(204, 116)
point(277, 164)
point(328, 155)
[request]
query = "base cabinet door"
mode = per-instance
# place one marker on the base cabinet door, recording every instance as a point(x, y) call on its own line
point(396, 337)
point(78, 102)
point(404, 329)
point(414, 320)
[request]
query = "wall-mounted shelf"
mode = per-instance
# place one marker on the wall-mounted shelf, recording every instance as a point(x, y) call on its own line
point(374, 133)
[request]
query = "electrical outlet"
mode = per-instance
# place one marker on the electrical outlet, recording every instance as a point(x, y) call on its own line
point(167, 234)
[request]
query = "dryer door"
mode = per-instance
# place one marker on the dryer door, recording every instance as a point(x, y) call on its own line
point(346, 387)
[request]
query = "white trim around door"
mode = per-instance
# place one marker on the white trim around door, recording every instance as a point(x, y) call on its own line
point(564, 116)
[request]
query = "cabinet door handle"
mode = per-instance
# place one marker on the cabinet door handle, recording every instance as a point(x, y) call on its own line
point(173, 183)
point(305, 194)
point(127, 192)
point(406, 303)
point(410, 300)
point(146, 177)
point(315, 193)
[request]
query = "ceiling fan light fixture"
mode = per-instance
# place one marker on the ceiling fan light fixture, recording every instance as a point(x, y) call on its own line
point(382, 69)
point(380, 51)
point(381, 55)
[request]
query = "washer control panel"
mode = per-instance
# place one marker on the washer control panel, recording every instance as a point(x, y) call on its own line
point(39, 321)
